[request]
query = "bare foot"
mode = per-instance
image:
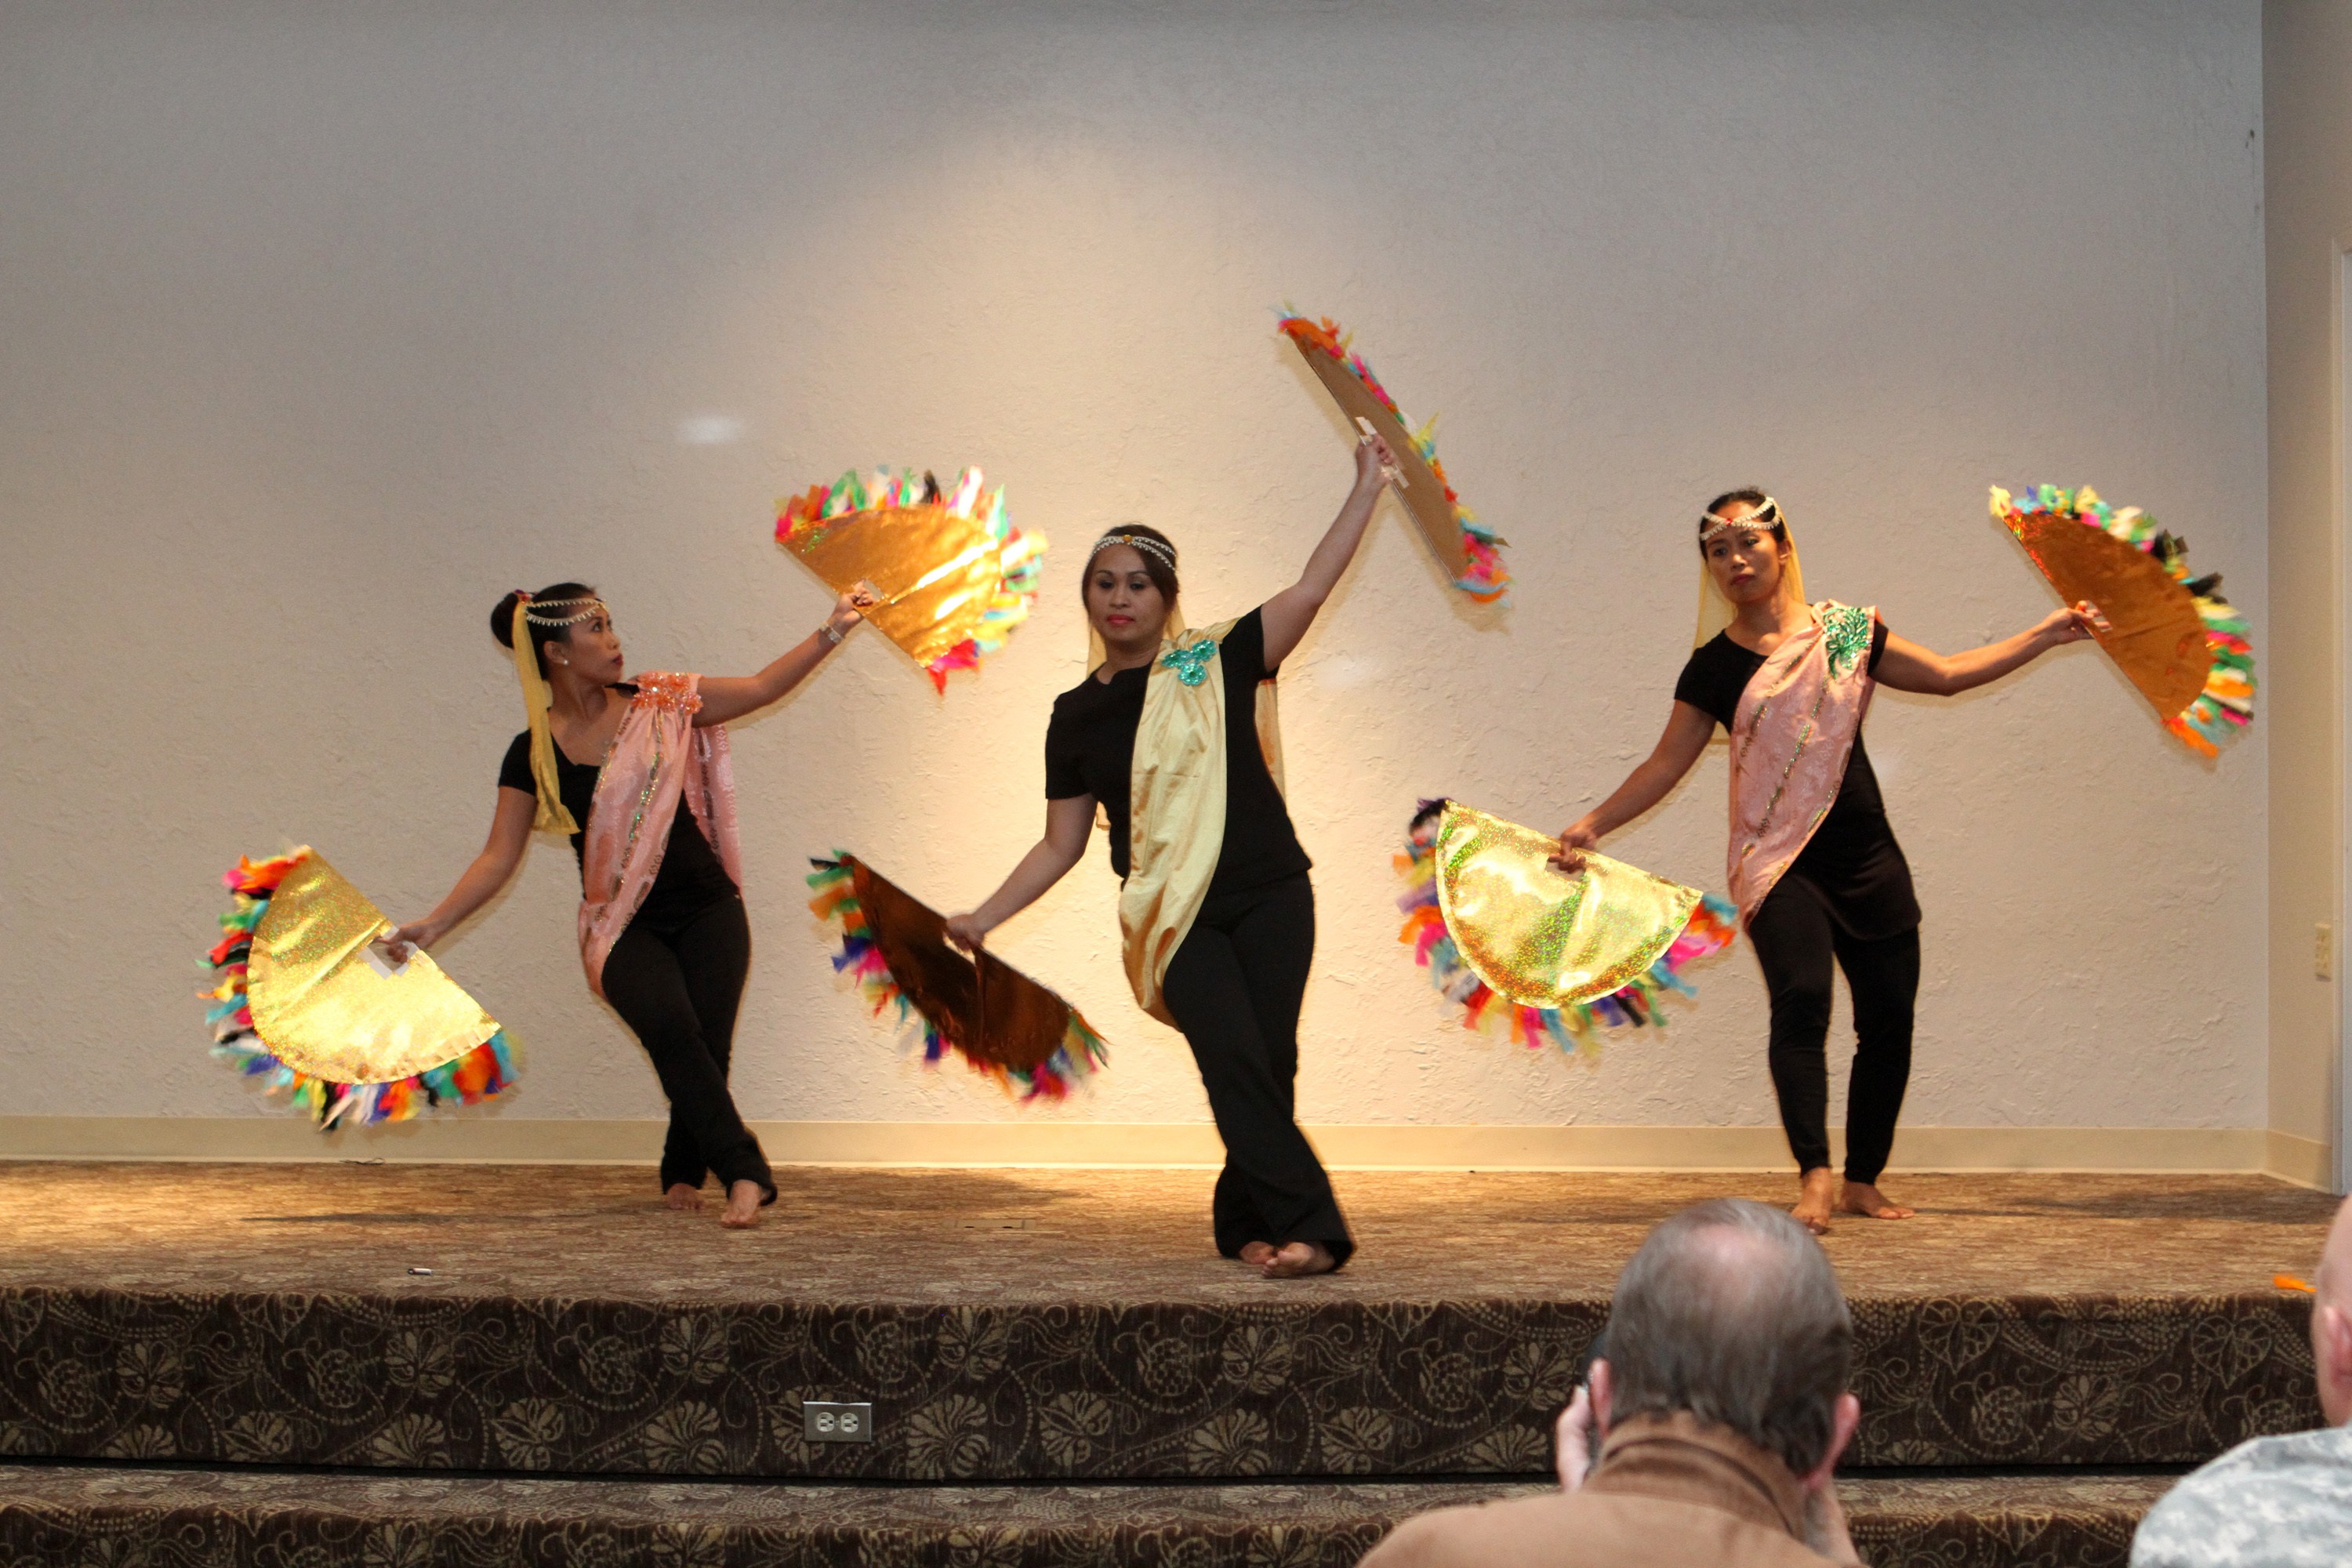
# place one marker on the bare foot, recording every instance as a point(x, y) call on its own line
point(683, 1198)
point(1256, 1254)
point(743, 1205)
point(1819, 1198)
point(1298, 1258)
point(1862, 1198)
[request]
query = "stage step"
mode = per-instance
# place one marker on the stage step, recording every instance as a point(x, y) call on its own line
point(1071, 1325)
point(235, 1518)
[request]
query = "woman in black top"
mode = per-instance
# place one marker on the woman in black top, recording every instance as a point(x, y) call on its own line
point(675, 972)
point(1846, 899)
point(1235, 984)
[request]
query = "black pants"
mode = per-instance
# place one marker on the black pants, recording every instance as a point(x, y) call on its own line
point(1796, 940)
point(1235, 988)
point(678, 983)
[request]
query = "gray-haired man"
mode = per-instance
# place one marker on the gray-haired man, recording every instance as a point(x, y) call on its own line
point(1723, 1404)
point(2275, 1502)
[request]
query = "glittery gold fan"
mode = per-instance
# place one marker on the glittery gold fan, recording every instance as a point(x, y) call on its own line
point(1001, 1021)
point(1507, 936)
point(954, 574)
point(305, 1001)
point(2173, 635)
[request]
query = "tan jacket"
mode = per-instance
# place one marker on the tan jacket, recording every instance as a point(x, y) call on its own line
point(1669, 1492)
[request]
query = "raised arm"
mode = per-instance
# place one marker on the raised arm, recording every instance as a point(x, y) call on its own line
point(509, 831)
point(1907, 667)
point(1686, 731)
point(730, 697)
point(1068, 824)
point(1288, 613)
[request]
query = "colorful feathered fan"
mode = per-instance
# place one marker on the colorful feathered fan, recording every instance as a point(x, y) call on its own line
point(954, 574)
point(302, 1000)
point(1471, 556)
point(2173, 635)
point(1549, 955)
point(1002, 1022)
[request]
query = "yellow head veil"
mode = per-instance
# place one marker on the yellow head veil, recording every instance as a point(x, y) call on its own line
point(1716, 612)
point(537, 699)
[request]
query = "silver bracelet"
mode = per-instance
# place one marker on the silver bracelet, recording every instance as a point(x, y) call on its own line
point(831, 633)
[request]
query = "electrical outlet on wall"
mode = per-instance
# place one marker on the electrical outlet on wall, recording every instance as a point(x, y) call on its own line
point(2323, 951)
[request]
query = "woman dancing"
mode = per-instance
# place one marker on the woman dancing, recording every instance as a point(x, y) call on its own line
point(1814, 868)
point(1172, 733)
point(662, 931)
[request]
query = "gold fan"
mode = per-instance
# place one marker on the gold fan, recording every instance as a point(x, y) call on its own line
point(306, 999)
point(1491, 920)
point(2174, 637)
point(954, 576)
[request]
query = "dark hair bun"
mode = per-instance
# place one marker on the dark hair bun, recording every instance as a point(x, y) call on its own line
point(502, 620)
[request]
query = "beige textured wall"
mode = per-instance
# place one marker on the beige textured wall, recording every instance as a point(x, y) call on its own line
point(2307, 176)
point(326, 324)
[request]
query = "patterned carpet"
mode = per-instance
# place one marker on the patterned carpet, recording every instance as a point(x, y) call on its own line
point(1071, 1324)
point(1005, 1237)
point(183, 1519)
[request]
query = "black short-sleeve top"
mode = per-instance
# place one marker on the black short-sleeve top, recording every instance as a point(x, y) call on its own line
point(1090, 750)
point(1852, 862)
point(691, 876)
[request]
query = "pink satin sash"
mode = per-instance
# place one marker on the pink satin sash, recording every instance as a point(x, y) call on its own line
point(658, 758)
point(1790, 737)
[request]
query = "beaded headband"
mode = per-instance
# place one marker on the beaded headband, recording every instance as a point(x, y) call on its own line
point(1763, 517)
point(1148, 545)
point(589, 607)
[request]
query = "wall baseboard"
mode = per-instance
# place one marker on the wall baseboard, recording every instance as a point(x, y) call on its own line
point(490, 1139)
point(2302, 1161)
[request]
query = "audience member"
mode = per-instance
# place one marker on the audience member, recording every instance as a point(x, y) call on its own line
point(1722, 1407)
point(2276, 1502)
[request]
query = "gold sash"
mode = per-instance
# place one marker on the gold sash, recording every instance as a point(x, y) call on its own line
point(1176, 806)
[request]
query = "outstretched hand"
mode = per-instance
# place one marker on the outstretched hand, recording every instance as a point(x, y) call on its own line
point(2076, 623)
point(966, 931)
point(851, 607)
point(1376, 463)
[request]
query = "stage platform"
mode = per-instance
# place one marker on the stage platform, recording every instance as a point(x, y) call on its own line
point(1055, 1359)
point(201, 1519)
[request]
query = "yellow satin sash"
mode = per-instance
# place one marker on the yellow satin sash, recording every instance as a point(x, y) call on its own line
point(1177, 808)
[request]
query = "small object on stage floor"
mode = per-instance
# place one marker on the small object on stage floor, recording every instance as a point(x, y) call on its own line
point(303, 1000)
point(1469, 551)
point(2289, 1282)
point(420, 1273)
point(1002, 1022)
point(2173, 635)
point(953, 575)
point(1551, 955)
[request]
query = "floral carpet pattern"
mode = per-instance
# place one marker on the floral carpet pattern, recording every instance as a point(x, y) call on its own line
point(183, 1518)
point(1070, 1325)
